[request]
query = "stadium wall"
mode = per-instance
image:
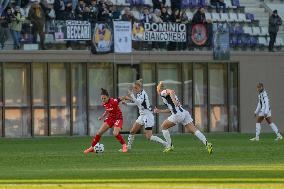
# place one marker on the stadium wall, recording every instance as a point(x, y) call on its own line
point(253, 67)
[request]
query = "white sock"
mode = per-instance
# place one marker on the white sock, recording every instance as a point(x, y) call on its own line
point(167, 136)
point(130, 140)
point(257, 130)
point(201, 137)
point(158, 139)
point(275, 129)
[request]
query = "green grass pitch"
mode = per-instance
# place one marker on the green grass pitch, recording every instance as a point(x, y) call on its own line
point(58, 162)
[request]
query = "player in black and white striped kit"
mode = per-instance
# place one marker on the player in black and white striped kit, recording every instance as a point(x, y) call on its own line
point(178, 115)
point(146, 118)
point(262, 112)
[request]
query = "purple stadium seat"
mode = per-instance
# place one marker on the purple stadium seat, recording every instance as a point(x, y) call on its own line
point(185, 3)
point(193, 3)
point(245, 40)
point(136, 2)
point(1, 9)
point(232, 29)
point(253, 41)
point(234, 41)
point(231, 41)
point(236, 3)
point(239, 41)
point(250, 16)
point(239, 30)
point(202, 3)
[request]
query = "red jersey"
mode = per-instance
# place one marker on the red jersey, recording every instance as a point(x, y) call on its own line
point(112, 108)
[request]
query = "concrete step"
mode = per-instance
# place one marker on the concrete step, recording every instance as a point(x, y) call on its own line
point(255, 10)
point(273, 1)
point(244, 2)
point(263, 21)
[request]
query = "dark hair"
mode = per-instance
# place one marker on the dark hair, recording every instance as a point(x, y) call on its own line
point(260, 84)
point(104, 92)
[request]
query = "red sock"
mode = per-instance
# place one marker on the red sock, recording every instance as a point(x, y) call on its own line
point(96, 139)
point(120, 139)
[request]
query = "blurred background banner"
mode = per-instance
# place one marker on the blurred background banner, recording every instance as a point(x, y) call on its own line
point(221, 41)
point(102, 39)
point(122, 37)
point(74, 30)
point(199, 35)
point(162, 32)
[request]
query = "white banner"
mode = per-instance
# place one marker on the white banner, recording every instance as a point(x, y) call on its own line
point(122, 37)
point(165, 31)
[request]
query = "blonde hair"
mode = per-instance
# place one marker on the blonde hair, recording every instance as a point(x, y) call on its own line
point(161, 86)
point(139, 82)
point(37, 10)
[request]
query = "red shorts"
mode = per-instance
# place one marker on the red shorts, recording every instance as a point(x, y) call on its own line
point(114, 122)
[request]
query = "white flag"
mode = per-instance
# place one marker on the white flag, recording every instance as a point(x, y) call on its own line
point(122, 37)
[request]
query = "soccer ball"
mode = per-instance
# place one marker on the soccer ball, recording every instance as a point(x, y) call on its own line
point(99, 148)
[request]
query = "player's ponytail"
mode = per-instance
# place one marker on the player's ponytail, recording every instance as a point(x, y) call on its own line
point(104, 92)
point(161, 86)
point(139, 83)
point(260, 84)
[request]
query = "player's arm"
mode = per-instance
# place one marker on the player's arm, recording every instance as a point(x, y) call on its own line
point(157, 111)
point(124, 99)
point(173, 96)
point(103, 116)
point(131, 98)
point(118, 100)
point(137, 101)
point(130, 102)
point(257, 108)
point(127, 98)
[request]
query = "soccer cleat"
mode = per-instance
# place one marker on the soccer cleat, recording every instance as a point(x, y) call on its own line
point(91, 149)
point(209, 148)
point(124, 148)
point(279, 137)
point(169, 148)
point(128, 148)
point(254, 139)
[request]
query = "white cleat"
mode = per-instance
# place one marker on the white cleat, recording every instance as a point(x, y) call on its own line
point(254, 139)
point(279, 137)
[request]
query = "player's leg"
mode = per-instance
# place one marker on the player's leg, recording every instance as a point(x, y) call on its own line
point(274, 128)
point(97, 138)
point(168, 123)
point(149, 135)
point(149, 122)
point(117, 128)
point(190, 128)
point(259, 119)
point(135, 128)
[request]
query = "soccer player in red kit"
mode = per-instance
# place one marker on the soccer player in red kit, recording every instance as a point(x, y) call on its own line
point(113, 118)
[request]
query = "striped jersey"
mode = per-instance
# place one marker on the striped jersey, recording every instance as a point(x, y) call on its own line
point(170, 104)
point(141, 99)
point(263, 103)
